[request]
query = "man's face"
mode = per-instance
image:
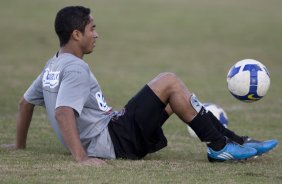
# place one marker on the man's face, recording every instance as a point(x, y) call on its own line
point(90, 35)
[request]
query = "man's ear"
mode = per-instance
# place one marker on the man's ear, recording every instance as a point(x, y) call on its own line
point(76, 35)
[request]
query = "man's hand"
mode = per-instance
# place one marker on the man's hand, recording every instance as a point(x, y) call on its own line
point(91, 161)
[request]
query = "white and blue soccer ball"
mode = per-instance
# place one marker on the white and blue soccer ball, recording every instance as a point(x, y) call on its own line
point(248, 80)
point(217, 111)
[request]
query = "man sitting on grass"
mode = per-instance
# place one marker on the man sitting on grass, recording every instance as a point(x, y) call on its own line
point(92, 130)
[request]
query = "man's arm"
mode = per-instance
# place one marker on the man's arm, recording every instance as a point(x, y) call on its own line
point(24, 117)
point(66, 119)
point(23, 120)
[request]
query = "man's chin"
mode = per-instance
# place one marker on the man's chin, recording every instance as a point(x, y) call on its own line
point(89, 52)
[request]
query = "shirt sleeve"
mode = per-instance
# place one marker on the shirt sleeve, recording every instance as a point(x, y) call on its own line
point(74, 88)
point(34, 93)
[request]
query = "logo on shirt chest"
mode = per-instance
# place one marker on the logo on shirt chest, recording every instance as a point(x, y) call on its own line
point(102, 102)
point(50, 78)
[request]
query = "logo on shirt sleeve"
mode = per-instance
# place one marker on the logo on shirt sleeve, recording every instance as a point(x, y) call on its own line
point(50, 78)
point(102, 102)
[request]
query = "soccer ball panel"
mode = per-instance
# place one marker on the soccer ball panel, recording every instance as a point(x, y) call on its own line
point(264, 83)
point(239, 84)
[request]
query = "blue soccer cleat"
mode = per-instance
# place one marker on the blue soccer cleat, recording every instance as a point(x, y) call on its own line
point(261, 146)
point(231, 151)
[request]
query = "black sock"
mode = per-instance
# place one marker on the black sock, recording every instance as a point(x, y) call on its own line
point(205, 130)
point(217, 145)
point(226, 132)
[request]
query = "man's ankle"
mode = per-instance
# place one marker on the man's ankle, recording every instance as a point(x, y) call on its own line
point(217, 144)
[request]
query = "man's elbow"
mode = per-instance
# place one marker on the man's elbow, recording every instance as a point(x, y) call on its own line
point(59, 114)
point(24, 104)
point(62, 113)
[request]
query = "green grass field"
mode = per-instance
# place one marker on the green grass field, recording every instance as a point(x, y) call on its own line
point(198, 40)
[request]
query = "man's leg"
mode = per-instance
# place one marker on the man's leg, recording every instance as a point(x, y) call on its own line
point(172, 91)
point(174, 86)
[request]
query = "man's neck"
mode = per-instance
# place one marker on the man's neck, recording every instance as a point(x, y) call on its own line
point(71, 50)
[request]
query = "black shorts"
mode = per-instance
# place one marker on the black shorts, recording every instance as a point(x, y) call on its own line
point(137, 131)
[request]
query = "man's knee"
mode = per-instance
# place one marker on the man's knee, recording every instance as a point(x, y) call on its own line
point(166, 82)
point(169, 77)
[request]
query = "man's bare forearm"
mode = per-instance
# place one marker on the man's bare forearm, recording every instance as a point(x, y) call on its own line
point(24, 117)
point(67, 123)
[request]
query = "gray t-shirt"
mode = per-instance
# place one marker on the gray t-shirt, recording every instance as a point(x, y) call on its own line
point(66, 80)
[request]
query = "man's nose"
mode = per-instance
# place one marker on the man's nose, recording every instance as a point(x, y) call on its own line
point(96, 34)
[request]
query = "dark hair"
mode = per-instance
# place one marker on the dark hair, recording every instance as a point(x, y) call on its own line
point(69, 19)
